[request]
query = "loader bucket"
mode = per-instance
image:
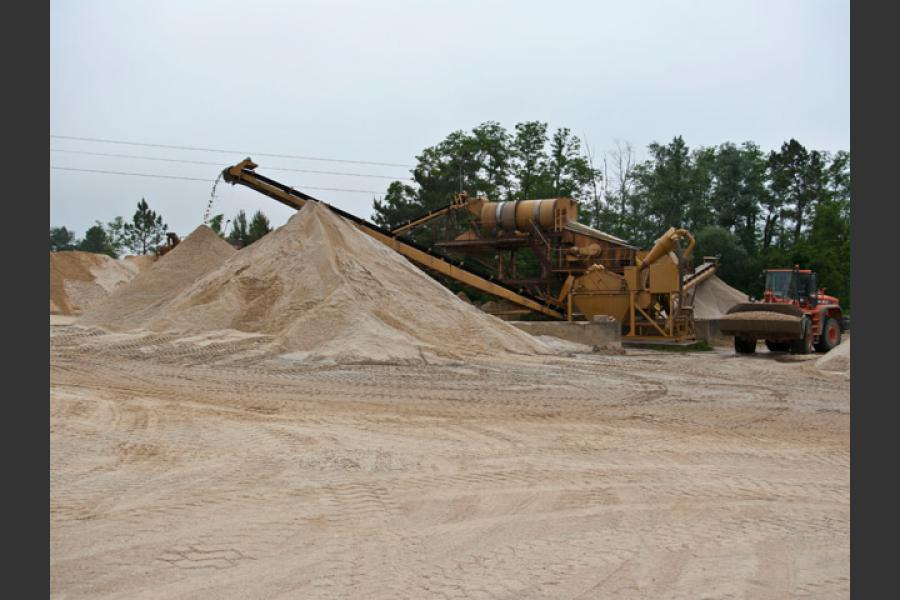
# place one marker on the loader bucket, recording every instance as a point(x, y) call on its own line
point(760, 320)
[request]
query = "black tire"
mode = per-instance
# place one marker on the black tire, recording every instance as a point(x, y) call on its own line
point(831, 335)
point(778, 346)
point(804, 345)
point(744, 345)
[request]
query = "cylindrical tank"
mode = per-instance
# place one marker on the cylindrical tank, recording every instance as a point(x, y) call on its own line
point(517, 216)
point(602, 292)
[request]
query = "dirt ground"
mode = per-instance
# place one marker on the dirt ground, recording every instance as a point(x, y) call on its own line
point(210, 469)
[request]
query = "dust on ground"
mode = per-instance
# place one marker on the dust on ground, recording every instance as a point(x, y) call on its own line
point(209, 439)
point(210, 467)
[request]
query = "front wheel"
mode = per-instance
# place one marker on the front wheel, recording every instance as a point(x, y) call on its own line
point(831, 335)
point(744, 345)
point(804, 345)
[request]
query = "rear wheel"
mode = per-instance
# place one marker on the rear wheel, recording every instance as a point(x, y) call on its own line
point(831, 335)
point(804, 345)
point(744, 345)
point(774, 346)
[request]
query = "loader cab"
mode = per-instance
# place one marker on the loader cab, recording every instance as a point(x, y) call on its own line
point(791, 286)
point(781, 286)
point(808, 292)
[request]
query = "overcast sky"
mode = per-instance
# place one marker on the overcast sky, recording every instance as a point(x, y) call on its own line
point(380, 81)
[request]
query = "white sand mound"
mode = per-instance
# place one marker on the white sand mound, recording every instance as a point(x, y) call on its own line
point(78, 280)
point(838, 359)
point(713, 298)
point(564, 347)
point(326, 291)
point(139, 262)
point(134, 303)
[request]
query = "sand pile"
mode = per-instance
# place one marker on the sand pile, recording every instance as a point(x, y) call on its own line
point(325, 291)
point(713, 298)
point(564, 347)
point(79, 280)
point(139, 262)
point(132, 305)
point(838, 359)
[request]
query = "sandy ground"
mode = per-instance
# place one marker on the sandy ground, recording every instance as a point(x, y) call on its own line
point(212, 470)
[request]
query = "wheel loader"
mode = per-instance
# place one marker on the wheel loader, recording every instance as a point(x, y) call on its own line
point(794, 315)
point(172, 240)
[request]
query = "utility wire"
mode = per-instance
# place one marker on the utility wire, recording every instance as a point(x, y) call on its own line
point(215, 164)
point(199, 149)
point(157, 176)
point(134, 174)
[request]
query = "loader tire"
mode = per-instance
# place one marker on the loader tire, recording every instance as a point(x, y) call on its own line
point(831, 335)
point(778, 346)
point(744, 345)
point(803, 345)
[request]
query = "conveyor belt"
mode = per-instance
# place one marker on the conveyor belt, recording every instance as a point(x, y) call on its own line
point(445, 265)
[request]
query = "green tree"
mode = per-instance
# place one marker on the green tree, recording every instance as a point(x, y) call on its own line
point(570, 170)
point(492, 157)
point(401, 203)
point(828, 247)
point(477, 163)
point(96, 240)
point(447, 168)
point(116, 237)
point(259, 226)
point(490, 162)
point(146, 231)
point(215, 224)
point(621, 202)
point(530, 166)
point(62, 239)
point(738, 188)
point(735, 266)
point(672, 190)
point(838, 176)
point(240, 232)
point(794, 175)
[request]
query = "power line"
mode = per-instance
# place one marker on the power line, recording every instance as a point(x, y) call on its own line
point(215, 164)
point(199, 149)
point(157, 176)
point(134, 174)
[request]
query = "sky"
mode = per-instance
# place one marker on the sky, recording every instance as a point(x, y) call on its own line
point(377, 82)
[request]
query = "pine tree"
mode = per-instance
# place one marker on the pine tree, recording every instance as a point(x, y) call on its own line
point(96, 240)
point(115, 235)
point(146, 231)
point(240, 232)
point(215, 224)
point(61, 239)
point(259, 226)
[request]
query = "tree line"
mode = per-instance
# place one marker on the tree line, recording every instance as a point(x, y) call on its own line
point(753, 209)
point(146, 232)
